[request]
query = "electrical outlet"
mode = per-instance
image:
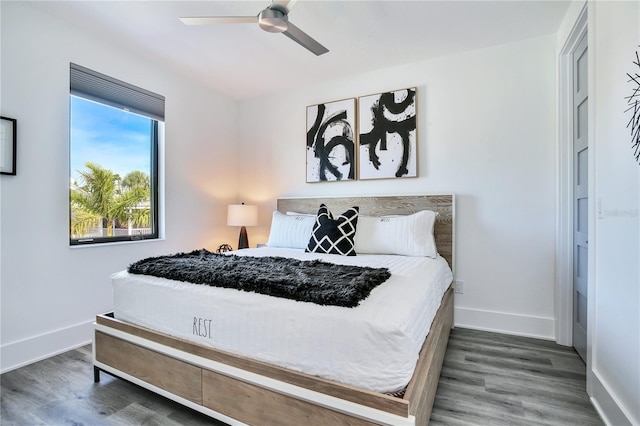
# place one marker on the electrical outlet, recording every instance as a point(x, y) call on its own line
point(459, 287)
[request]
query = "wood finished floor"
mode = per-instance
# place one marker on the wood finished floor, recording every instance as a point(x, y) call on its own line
point(487, 379)
point(495, 379)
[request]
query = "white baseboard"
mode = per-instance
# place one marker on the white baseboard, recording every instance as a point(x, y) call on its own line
point(506, 323)
point(609, 407)
point(27, 351)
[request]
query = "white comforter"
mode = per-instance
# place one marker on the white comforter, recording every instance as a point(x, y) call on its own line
point(373, 346)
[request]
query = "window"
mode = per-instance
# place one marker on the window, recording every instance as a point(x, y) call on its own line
point(113, 144)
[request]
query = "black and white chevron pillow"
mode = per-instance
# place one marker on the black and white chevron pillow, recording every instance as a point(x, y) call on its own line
point(334, 236)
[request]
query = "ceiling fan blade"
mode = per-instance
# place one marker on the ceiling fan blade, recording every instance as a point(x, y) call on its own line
point(304, 40)
point(205, 20)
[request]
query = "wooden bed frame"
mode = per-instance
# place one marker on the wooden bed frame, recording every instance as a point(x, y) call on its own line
point(239, 390)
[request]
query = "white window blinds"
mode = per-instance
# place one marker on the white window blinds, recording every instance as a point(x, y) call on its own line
point(101, 88)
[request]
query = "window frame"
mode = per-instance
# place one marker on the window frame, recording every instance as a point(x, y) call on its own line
point(152, 110)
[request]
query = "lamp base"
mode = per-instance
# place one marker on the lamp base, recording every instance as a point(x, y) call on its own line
point(243, 241)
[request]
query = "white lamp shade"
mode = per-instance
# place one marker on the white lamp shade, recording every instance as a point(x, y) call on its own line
point(242, 215)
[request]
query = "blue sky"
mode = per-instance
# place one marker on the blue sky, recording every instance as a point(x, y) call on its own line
point(115, 139)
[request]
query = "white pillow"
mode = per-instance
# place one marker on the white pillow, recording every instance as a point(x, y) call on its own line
point(301, 214)
point(289, 231)
point(410, 235)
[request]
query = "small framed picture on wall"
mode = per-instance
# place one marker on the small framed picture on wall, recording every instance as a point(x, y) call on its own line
point(8, 142)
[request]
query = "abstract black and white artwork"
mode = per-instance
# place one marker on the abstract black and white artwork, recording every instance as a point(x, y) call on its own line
point(388, 140)
point(330, 141)
point(633, 101)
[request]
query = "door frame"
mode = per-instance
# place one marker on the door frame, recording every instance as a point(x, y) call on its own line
point(565, 177)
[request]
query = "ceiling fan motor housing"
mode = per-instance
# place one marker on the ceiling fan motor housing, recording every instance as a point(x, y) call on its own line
point(273, 20)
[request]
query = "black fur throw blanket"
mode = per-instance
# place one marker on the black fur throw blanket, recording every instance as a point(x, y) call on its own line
point(303, 280)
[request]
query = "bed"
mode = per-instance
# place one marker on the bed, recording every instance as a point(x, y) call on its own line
point(245, 389)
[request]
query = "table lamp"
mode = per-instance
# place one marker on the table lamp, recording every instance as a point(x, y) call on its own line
point(242, 215)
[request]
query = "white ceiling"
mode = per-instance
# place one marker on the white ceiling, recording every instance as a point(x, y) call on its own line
point(242, 61)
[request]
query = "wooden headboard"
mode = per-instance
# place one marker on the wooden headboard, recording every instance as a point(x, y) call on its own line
point(389, 205)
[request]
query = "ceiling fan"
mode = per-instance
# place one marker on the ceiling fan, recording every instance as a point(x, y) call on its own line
point(273, 19)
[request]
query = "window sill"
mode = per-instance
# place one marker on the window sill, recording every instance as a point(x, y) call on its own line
point(114, 243)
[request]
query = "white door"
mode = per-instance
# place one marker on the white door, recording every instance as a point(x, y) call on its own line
point(580, 198)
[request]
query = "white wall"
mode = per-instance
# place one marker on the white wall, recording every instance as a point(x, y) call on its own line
point(615, 320)
point(50, 292)
point(486, 132)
